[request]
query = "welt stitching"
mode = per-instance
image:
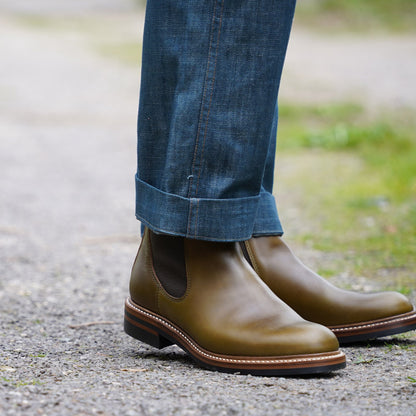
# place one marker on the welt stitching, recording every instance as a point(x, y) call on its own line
point(211, 95)
point(373, 325)
point(286, 359)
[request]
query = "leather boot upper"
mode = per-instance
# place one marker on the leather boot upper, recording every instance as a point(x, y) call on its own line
point(226, 308)
point(313, 297)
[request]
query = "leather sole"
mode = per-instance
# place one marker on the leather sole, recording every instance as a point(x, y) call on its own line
point(365, 331)
point(158, 332)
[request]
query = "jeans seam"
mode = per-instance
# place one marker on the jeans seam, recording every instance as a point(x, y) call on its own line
point(207, 81)
point(211, 94)
point(208, 85)
point(191, 177)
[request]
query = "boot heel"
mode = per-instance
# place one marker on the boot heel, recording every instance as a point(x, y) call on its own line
point(146, 335)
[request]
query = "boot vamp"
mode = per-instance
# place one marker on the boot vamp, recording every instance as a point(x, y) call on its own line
point(228, 309)
point(312, 296)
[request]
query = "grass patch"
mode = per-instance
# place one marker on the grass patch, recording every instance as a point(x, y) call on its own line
point(21, 383)
point(39, 355)
point(362, 360)
point(358, 15)
point(354, 185)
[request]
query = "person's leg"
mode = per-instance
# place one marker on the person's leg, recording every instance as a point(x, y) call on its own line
point(208, 115)
point(206, 133)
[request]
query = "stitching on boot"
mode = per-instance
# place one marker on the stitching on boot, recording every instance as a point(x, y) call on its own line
point(252, 256)
point(285, 359)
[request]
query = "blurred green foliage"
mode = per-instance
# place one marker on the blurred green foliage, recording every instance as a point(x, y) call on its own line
point(357, 15)
point(357, 182)
point(360, 15)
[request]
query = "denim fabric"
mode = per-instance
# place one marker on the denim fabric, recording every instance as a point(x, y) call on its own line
point(208, 117)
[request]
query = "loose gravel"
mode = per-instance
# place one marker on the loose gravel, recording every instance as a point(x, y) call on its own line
point(67, 240)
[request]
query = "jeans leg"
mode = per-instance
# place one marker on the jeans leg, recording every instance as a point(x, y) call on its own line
point(207, 117)
point(267, 219)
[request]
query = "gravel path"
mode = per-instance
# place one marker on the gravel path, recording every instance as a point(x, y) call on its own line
point(377, 71)
point(67, 240)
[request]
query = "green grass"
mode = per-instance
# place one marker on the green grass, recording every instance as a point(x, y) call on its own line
point(404, 346)
point(39, 355)
point(355, 186)
point(358, 15)
point(362, 360)
point(21, 383)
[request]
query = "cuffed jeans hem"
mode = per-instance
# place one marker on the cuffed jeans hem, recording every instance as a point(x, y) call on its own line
point(200, 218)
point(267, 221)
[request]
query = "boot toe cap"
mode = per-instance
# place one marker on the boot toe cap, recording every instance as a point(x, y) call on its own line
point(390, 304)
point(311, 338)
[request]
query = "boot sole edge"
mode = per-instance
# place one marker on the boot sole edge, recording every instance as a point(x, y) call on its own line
point(365, 331)
point(158, 332)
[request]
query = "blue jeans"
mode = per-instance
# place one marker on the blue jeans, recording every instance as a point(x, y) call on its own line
point(208, 117)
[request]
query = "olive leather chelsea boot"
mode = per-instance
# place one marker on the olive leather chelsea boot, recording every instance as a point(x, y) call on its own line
point(351, 316)
point(205, 297)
